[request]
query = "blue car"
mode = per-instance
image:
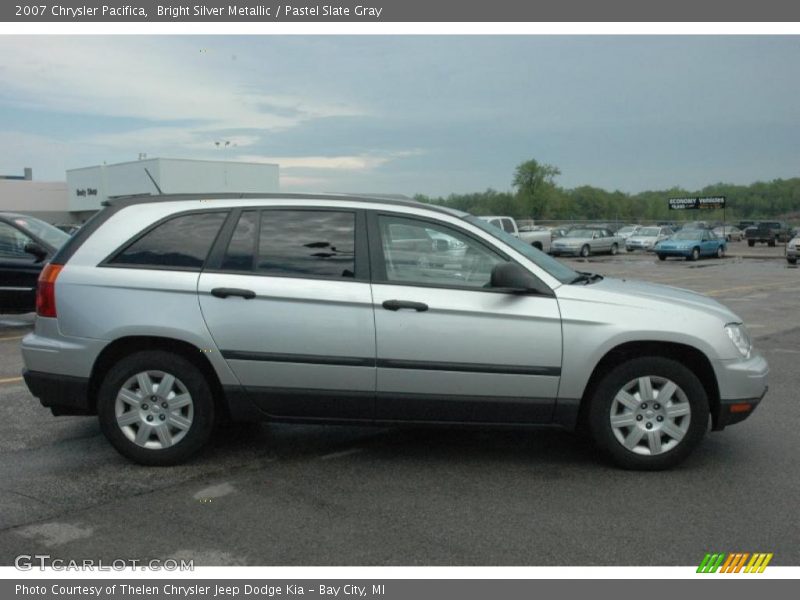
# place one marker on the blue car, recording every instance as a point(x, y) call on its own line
point(691, 244)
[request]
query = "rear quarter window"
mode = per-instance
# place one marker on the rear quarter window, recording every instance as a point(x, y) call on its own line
point(182, 242)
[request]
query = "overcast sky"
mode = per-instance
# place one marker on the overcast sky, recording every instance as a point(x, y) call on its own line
point(408, 114)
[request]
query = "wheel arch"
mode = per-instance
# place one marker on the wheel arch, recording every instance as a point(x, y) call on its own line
point(125, 346)
point(689, 356)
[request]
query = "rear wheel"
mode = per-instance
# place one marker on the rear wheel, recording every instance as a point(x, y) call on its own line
point(585, 251)
point(614, 249)
point(648, 413)
point(662, 257)
point(771, 243)
point(792, 261)
point(751, 243)
point(156, 408)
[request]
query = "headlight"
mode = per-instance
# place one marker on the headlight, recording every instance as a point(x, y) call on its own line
point(740, 338)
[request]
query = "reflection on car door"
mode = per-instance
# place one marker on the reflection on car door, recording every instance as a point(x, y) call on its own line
point(449, 348)
point(289, 306)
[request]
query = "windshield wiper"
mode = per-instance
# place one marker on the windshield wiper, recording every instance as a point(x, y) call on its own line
point(586, 278)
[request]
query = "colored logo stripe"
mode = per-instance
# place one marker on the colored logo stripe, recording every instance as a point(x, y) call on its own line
point(734, 562)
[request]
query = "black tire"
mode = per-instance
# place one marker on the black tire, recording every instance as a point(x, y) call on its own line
point(751, 243)
point(694, 255)
point(721, 252)
point(628, 249)
point(662, 257)
point(203, 417)
point(791, 261)
point(614, 249)
point(771, 243)
point(601, 402)
point(585, 251)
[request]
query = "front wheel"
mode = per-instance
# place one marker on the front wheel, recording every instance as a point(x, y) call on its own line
point(585, 251)
point(791, 261)
point(751, 243)
point(695, 254)
point(662, 257)
point(648, 413)
point(156, 408)
point(720, 252)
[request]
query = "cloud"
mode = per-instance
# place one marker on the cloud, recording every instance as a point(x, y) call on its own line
point(361, 162)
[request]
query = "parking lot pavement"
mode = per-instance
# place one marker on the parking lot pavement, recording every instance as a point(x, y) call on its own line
point(294, 495)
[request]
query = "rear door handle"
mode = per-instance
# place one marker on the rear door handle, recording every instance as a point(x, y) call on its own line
point(225, 292)
point(400, 304)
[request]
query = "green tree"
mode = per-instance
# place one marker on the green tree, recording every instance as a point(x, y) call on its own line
point(532, 180)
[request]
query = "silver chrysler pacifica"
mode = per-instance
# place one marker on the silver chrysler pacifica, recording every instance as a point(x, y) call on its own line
point(165, 314)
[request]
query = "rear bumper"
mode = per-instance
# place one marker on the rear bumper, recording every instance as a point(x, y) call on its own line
point(62, 394)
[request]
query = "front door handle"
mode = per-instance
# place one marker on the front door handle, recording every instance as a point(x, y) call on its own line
point(400, 304)
point(225, 292)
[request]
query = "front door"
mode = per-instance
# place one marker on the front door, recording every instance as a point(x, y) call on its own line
point(18, 271)
point(289, 306)
point(448, 347)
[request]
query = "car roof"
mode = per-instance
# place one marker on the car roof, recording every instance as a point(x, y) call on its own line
point(122, 201)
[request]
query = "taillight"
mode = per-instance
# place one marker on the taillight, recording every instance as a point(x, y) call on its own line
point(46, 290)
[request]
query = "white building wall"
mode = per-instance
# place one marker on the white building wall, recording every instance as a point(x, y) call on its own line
point(43, 199)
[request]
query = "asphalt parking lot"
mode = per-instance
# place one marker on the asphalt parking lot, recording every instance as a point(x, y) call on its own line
point(324, 495)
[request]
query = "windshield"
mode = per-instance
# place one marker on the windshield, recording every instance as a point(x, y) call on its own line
point(580, 233)
point(52, 235)
point(692, 234)
point(627, 230)
point(648, 232)
point(558, 270)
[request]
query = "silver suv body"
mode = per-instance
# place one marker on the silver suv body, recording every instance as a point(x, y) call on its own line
point(164, 315)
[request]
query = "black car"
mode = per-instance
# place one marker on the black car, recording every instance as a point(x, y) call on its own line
point(26, 244)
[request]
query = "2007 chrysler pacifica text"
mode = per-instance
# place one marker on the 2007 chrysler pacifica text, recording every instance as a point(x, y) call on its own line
point(164, 314)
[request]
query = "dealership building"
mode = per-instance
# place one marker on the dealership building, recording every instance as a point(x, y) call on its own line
point(85, 189)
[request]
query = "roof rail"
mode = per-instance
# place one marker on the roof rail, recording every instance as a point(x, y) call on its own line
point(122, 201)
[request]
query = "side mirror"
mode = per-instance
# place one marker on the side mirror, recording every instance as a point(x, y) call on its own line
point(37, 250)
point(511, 278)
point(440, 245)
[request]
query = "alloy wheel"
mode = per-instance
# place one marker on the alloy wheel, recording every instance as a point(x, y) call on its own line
point(650, 415)
point(154, 409)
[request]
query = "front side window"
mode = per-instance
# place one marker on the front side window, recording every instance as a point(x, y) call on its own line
point(12, 242)
point(432, 254)
point(508, 226)
point(182, 242)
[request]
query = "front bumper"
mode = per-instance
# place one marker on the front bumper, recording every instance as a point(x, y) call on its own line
point(62, 394)
point(742, 385)
point(673, 251)
point(563, 250)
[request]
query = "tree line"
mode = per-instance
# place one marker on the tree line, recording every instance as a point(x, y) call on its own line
point(536, 195)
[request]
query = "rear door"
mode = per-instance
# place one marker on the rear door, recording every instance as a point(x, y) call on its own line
point(287, 300)
point(449, 348)
point(18, 271)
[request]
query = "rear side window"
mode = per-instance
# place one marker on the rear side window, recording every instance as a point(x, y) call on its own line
point(508, 226)
point(181, 242)
point(294, 243)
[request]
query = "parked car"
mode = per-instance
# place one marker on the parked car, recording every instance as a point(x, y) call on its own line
point(163, 314)
point(559, 232)
point(768, 232)
point(539, 239)
point(745, 224)
point(25, 245)
point(792, 250)
point(729, 232)
point(584, 242)
point(691, 244)
point(646, 238)
point(628, 231)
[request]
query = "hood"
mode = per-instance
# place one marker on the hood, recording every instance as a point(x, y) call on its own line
point(643, 238)
point(641, 295)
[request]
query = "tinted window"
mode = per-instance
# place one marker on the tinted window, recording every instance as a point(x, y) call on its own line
point(180, 242)
point(50, 234)
point(307, 243)
point(241, 249)
point(12, 242)
point(508, 226)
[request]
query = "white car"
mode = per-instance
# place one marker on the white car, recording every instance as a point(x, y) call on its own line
point(792, 248)
point(647, 237)
point(628, 231)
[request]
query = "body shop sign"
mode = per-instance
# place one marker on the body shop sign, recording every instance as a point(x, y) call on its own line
point(698, 202)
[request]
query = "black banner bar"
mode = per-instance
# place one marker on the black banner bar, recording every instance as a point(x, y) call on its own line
point(372, 11)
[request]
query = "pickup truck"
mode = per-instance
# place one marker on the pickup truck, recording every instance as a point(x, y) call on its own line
point(537, 239)
point(768, 232)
